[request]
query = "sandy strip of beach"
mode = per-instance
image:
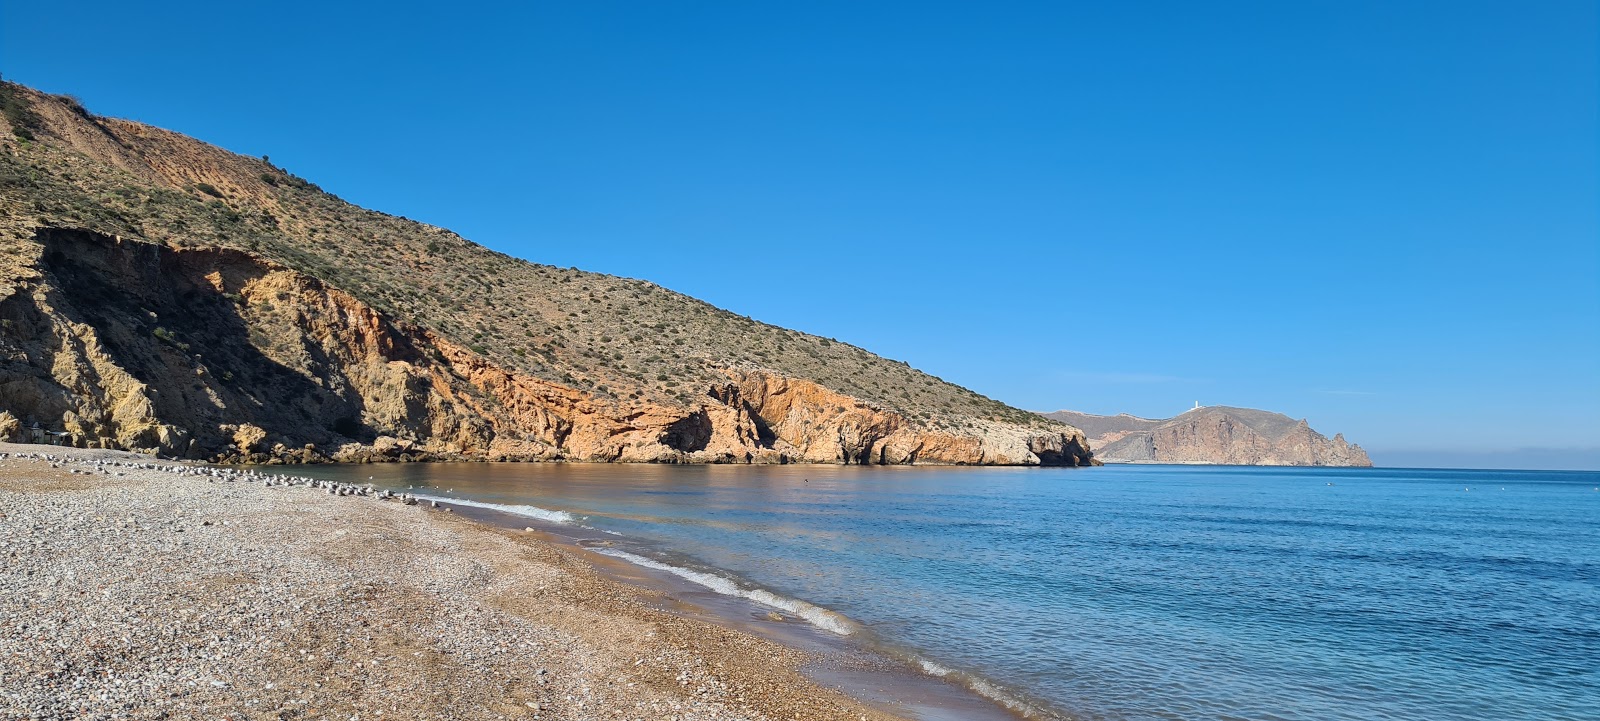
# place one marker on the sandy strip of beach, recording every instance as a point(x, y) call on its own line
point(140, 589)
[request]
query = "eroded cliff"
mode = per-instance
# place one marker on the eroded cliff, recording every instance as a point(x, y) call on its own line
point(162, 293)
point(218, 353)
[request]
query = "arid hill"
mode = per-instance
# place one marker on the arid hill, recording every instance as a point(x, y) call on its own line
point(159, 293)
point(1214, 434)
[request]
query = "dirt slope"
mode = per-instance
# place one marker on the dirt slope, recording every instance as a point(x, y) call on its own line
point(160, 293)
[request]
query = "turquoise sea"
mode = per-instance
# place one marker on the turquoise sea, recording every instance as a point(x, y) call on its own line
point(1132, 592)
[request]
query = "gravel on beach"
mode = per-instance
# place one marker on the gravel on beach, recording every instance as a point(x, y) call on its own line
point(132, 588)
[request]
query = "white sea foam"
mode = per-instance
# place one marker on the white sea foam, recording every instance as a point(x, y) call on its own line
point(816, 615)
point(982, 688)
point(543, 514)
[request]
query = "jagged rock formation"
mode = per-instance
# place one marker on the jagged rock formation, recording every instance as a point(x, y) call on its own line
point(160, 294)
point(1214, 434)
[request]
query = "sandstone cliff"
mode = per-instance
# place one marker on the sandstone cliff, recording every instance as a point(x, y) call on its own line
point(1214, 434)
point(160, 294)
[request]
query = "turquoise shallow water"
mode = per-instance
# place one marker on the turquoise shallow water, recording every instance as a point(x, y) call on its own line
point(1142, 592)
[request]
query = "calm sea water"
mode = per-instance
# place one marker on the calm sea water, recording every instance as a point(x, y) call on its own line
point(1142, 592)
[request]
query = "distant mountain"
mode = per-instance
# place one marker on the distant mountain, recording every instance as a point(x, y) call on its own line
point(161, 294)
point(1213, 434)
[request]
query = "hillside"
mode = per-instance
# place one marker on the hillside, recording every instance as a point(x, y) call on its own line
point(1213, 434)
point(159, 293)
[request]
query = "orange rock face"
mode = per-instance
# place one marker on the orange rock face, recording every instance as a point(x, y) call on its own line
point(215, 353)
point(258, 318)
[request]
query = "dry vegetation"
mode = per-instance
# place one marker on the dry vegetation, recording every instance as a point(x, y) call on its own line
point(615, 337)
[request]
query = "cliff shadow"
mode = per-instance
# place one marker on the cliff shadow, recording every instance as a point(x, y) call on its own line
point(161, 318)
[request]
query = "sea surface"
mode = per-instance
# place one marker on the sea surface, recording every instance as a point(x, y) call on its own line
point(1132, 592)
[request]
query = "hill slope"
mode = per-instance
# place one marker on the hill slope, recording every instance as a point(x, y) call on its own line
point(1214, 434)
point(160, 293)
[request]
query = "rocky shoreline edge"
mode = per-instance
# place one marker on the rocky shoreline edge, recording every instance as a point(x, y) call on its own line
point(141, 589)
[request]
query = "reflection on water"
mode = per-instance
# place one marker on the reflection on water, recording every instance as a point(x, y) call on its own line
point(1143, 591)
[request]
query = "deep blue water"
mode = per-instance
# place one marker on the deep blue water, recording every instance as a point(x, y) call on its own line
point(1146, 592)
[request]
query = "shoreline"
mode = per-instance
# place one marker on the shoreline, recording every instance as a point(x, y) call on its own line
point(139, 588)
point(263, 460)
point(844, 655)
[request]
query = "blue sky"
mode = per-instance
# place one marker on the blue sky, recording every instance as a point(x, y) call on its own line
point(1380, 216)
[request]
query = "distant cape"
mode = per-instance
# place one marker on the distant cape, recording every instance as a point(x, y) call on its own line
point(1214, 435)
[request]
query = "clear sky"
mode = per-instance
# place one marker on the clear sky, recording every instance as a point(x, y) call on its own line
point(1381, 216)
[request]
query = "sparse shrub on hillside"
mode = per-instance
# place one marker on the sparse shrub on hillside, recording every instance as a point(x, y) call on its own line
point(637, 340)
point(19, 111)
point(74, 104)
point(208, 189)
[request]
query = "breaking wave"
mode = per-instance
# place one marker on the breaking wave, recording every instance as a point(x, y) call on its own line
point(543, 514)
point(982, 688)
point(815, 615)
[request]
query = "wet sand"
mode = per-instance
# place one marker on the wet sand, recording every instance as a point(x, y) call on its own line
point(855, 665)
point(140, 589)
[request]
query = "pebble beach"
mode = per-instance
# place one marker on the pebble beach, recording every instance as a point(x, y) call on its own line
point(132, 588)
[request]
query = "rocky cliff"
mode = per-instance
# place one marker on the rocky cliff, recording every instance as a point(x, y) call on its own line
point(164, 295)
point(1214, 434)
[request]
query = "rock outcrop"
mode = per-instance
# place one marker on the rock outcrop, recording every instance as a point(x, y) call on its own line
point(227, 328)
point(1217, 435)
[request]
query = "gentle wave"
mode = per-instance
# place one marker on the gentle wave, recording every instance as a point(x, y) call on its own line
point(1094, 592)
point(982, 688)
point(543, 514)
point(816, 615)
